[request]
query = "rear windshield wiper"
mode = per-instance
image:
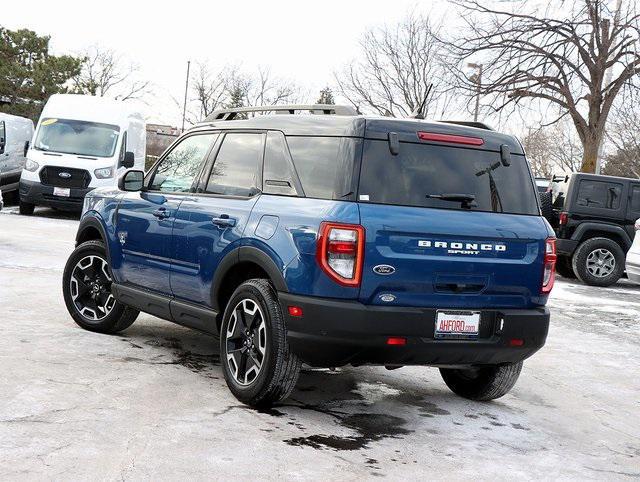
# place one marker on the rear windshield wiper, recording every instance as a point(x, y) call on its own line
point(466, 200)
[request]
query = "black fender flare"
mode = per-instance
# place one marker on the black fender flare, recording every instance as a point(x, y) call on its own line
point(93, 222)
point(245, 254)
point(583, 228)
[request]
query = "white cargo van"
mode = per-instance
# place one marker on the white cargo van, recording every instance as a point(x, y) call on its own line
point(15, 136)
point(81, 142)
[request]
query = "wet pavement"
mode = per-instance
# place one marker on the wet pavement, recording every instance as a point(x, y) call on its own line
point(151, 403)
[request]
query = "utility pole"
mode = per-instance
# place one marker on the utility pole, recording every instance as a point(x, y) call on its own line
point(477, 77)
point(607, 81)
point(186, 90)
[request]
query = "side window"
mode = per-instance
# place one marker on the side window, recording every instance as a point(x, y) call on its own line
point(635, 198)
point(324, 164)
point(3, 137)
point(235, 171)
point(123, 148)
point(177, 171)
point(277, 173)
point(599, 194)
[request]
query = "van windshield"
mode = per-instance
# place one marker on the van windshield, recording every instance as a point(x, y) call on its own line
point(77, 137)
point(446, 178)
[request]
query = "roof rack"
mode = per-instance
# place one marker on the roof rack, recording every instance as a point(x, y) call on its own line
point(327, 109)
point(479, 125)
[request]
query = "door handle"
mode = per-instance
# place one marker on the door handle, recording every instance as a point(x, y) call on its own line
point(224, 220)
point(161, 213)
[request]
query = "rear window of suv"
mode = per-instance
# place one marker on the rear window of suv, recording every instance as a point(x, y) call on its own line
point(422, 170)
point(324, 164)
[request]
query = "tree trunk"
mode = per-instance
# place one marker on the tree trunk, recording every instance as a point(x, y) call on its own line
point(590, 155)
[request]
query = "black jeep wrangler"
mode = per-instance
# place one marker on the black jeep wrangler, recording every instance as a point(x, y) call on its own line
point(595, 227)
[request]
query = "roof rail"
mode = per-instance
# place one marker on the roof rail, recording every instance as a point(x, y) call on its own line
point(479, 125)
point(329, 109)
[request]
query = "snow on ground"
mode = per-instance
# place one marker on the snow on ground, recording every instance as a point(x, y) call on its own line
point(151, 403)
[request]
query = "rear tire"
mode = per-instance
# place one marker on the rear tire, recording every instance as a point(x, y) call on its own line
point(482, 384)
point(97, 313)
point(564, 267)
point(598, 262)
point(258, 367)
point(26, 208)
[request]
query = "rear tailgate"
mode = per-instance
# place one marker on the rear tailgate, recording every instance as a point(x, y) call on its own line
point(450, 222)
point(451, 259)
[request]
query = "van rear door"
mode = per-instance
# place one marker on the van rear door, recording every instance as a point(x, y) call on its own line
point(449, 227)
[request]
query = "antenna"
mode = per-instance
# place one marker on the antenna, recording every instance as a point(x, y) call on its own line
point(419, 112)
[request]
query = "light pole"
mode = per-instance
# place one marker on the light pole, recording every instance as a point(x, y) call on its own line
point(477, 78)
point(186, 90)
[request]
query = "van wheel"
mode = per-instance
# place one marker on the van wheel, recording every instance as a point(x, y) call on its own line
point(86, 286)
point(254, 352)
point(598, 262)
point(564, 267)
point(26, 208)
point(482, 384)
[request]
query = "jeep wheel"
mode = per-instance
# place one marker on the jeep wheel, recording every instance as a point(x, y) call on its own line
point(86, 286)
point(482, 384)
point(546, 207)
point(598, 262)
point(564, 267)
point(26, 208)
point(254, 352)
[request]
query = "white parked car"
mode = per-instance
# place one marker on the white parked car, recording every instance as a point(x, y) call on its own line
point(81, 142)
point(633, 257)
point(15, 136)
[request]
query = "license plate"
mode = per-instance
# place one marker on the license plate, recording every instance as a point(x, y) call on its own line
point(457, 324)
point(62, 191)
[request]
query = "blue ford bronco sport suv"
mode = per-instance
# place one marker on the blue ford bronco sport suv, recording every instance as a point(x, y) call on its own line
point(327, 239)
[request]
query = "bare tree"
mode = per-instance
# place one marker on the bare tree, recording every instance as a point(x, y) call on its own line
point(623, 133)
point(209, 90)
point(400, 71)
point(540, 56)
point(105, 74)
point(553, 149)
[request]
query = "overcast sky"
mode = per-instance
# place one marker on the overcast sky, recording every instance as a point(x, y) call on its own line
point(299, 40)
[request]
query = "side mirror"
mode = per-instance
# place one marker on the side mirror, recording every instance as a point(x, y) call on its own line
point(131, 181)
point(129, 160)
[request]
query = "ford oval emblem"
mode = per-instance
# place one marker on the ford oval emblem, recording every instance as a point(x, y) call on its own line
point(384, 269)
point(64, 175)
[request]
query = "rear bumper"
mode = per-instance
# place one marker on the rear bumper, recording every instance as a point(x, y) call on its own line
point(335, 333)
point(42, 195)
point(566, 247)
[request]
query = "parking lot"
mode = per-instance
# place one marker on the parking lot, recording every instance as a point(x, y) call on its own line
point(152, 403)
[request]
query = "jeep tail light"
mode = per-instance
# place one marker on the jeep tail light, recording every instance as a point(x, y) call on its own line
point(564, 217)
point(549, 273)
point(340, 252)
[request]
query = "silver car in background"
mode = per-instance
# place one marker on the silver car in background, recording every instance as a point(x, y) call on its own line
point(633, 257)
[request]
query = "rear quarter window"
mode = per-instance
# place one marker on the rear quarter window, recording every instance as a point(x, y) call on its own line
point(420, 170)
point(599, 194)
point(324, 164)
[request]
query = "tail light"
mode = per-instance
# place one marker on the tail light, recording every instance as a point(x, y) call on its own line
point(453, 139)
point(564, 217)
point(549, 273)
point(340, 252)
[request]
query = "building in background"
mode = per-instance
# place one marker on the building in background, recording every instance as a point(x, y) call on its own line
point(159, 137)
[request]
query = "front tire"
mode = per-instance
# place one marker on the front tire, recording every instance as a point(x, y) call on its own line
point(86, 286)
point(598, 262)
point(258, 367)
point(482, 384)
point(26, 208)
